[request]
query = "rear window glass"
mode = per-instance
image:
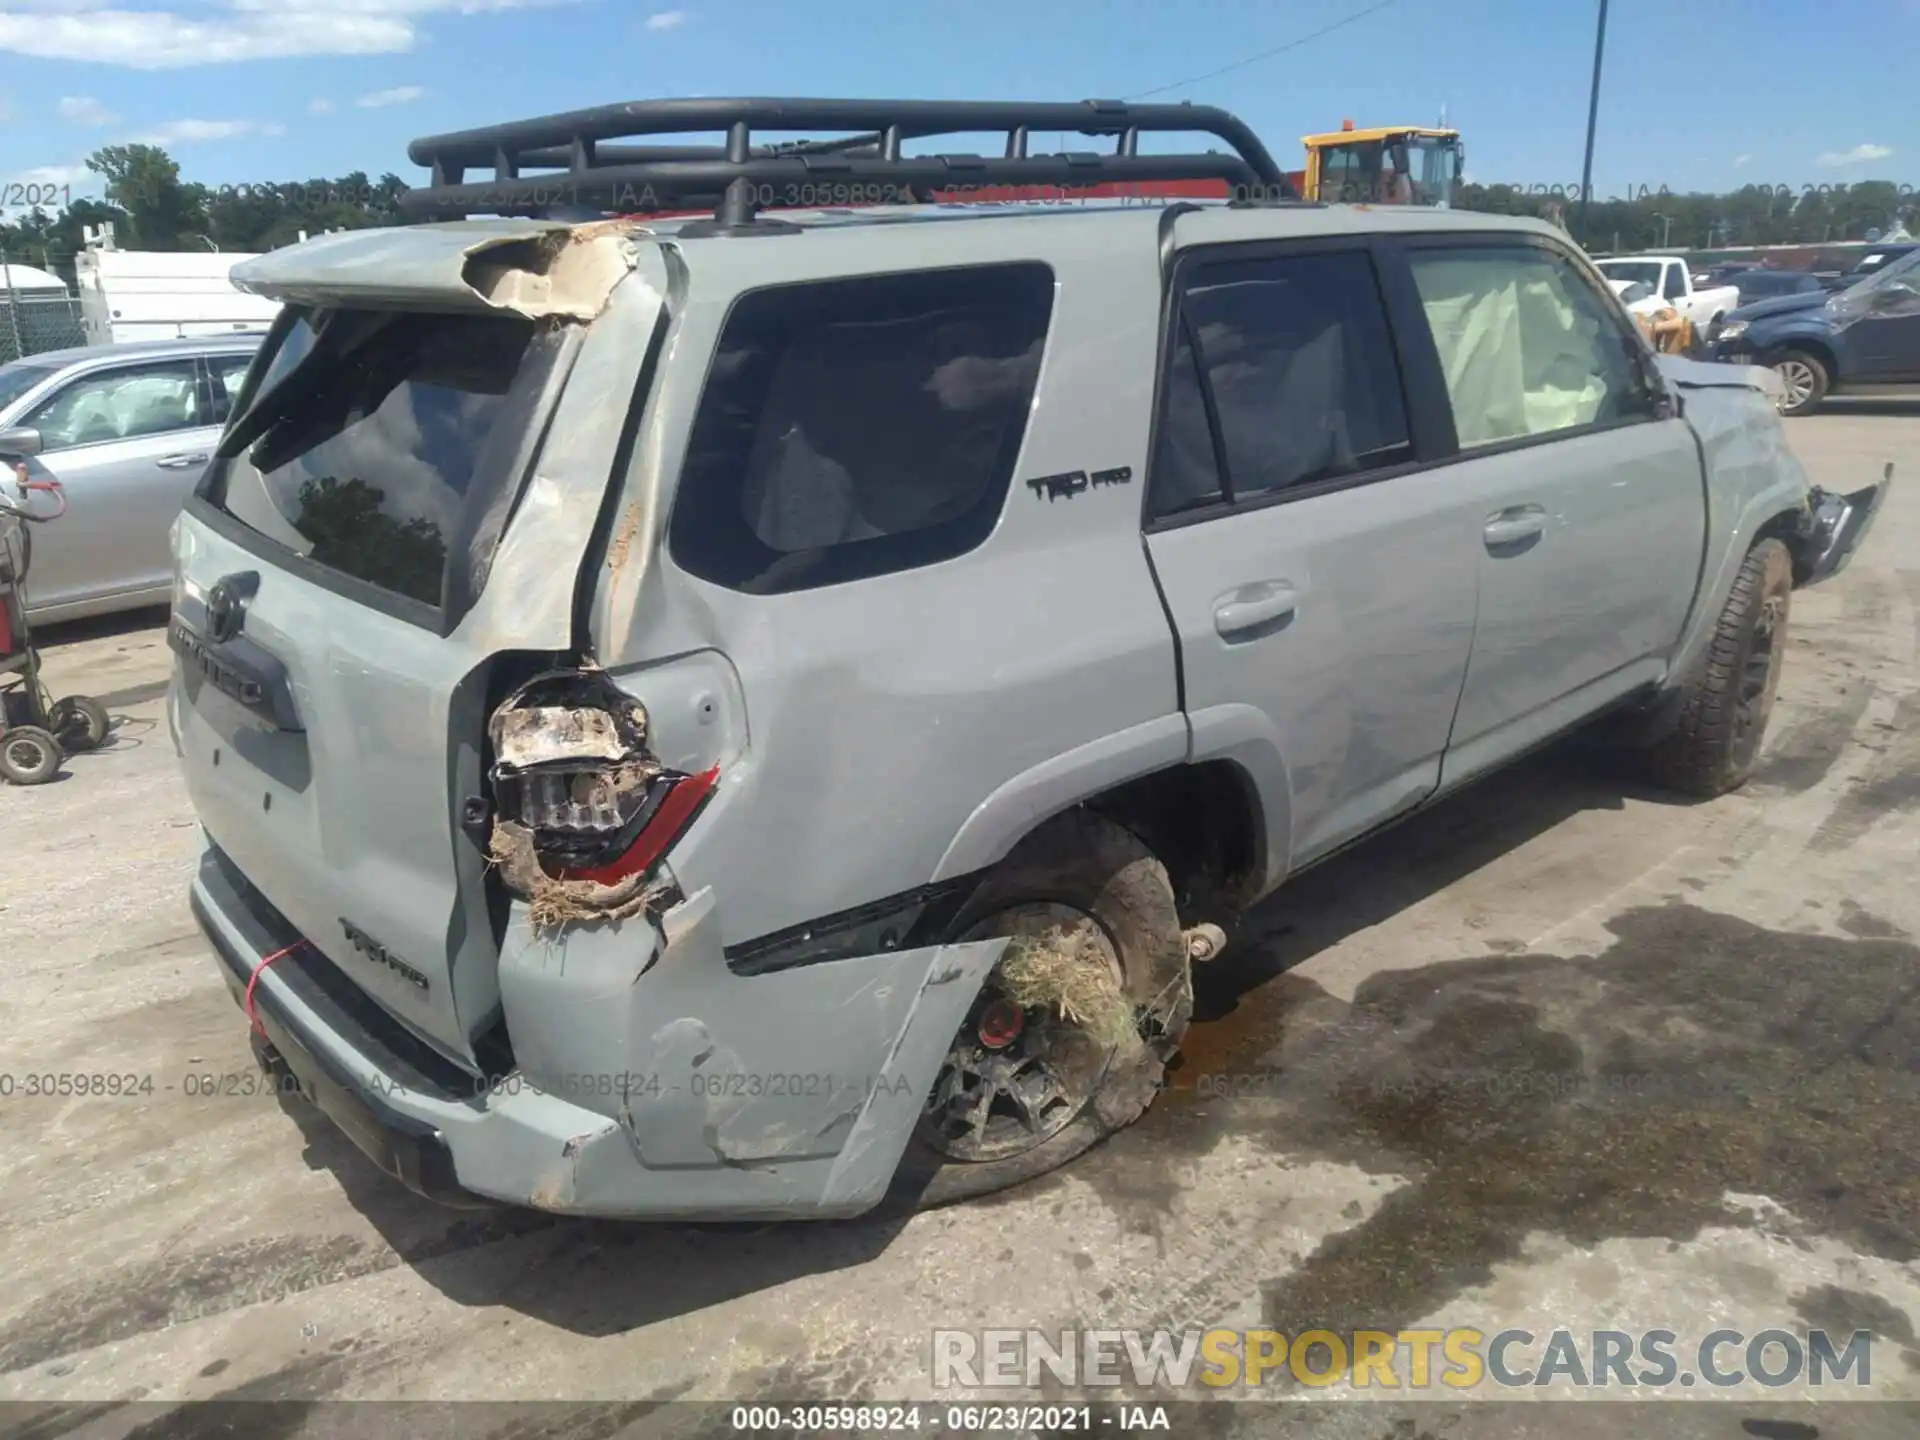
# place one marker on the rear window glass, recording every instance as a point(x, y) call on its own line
point(366, 437)
point(858, 427)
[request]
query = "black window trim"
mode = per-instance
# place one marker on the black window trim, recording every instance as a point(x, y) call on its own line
point(1640, 353)
point(440, 620)
point(210, 375)
point(115, 367)
point(1429, 431)
point(668, 547)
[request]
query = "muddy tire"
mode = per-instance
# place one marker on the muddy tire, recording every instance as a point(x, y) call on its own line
point(1805, 378)
point(1087, 865)
point(1722, 708)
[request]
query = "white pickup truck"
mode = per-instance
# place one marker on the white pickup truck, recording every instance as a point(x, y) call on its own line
point(1671, 279)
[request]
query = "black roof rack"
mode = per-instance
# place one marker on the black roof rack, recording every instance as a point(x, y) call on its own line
point(578, 173)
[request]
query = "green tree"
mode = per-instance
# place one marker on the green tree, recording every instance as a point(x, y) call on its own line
point(163, 213)
point(350, 532)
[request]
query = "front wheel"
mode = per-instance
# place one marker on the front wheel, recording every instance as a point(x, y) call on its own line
point(1723, 706)
point(28, 755)
point(1069, 1036)
point(1804, 379)
point(80, 723)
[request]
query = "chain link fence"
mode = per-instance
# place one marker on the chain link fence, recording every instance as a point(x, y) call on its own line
point(31, 323)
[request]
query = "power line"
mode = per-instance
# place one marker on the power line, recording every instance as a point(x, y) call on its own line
point(1266, 54)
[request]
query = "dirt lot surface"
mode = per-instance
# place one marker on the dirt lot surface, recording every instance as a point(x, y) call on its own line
point(1561, 1053)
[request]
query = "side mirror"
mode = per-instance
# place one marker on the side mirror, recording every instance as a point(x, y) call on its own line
point(1887, 297)
point(20, 440)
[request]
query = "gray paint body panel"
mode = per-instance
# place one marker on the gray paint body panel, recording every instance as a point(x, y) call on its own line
point(874, 736)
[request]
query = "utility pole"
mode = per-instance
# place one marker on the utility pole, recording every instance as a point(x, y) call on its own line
point(1593, 114)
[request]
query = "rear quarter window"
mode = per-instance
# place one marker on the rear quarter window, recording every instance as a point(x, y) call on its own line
point(853, 428)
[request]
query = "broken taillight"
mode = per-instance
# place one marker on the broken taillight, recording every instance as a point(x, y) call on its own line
point(573, 768)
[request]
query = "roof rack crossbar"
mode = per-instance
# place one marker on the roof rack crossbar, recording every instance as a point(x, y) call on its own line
point(584, 170)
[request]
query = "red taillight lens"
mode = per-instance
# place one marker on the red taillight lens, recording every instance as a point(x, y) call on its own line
point(674, 813)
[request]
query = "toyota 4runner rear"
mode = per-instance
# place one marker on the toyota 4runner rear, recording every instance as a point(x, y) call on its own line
point(739, 716)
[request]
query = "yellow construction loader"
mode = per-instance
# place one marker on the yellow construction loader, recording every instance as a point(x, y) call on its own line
point(1383, 165)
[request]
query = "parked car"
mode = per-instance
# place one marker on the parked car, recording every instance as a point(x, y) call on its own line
point(1670, 277)
point(126, 430)
point(1871, 263)
point(1863, 341)
point(1727, 272)
point(1772, 284)
point(1084, 574)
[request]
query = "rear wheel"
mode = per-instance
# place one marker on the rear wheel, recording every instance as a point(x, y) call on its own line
point(28, 755)
point(1805, 380)
point(79, 723)
point(1069, 1036)
point(1723, 707)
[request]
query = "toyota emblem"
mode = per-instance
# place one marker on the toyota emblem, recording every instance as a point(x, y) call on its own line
point(226, 608)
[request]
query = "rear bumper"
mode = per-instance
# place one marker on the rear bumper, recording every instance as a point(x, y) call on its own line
point(652, 1082)
point(411, 1151)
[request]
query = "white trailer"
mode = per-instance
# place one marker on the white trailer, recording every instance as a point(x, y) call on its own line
point(155, 295)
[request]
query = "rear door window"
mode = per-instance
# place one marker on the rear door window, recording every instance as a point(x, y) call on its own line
point(856, 427)
point(124, 403)
point(1292, 359)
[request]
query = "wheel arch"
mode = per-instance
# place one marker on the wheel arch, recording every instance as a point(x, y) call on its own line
point(1205, 818)
point(1816, 346)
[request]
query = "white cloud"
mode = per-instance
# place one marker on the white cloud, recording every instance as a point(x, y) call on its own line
point(390, 7)
point(161, 40)
point(399, 95)
point(320, 107)
point(667, 20)
point(214, 32)
point(1858, 155)
point(85, 110)
point(177, 132)
point(1740, 161)
point(74, 174)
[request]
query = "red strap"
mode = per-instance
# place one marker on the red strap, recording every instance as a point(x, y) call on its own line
point(254, 979)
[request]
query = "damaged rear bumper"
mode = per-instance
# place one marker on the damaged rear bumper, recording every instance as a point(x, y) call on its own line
point(650, 1081)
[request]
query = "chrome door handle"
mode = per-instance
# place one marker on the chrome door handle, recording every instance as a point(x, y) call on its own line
point(1253, 606)
point(180, 462)
point(1519, 522)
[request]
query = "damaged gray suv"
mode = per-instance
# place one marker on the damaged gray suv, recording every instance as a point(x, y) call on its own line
point(755, 712)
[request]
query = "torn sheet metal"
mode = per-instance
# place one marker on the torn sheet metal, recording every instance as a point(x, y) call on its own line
point(738, 1097)
point(536, 268)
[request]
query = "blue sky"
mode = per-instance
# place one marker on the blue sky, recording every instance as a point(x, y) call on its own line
point(1698, 94)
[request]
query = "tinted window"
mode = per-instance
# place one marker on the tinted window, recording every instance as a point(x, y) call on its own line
point(1186, 470)
point(371, 437)
point(1676, 283)
point(1295, 355)
point(1644, 272)
point(119, 404)
point(861, 426)
point(1527, 347)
